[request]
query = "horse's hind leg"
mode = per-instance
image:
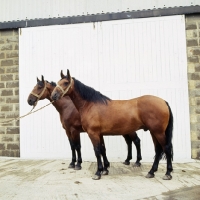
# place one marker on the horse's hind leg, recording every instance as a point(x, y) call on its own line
point(159, 151)
point(103, 153)
point(136, 140)
point(129, 145)
point(168, 148)
point(72, 164)
point(168, 151)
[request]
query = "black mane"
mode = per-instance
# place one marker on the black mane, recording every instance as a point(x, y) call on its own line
point(42, 84)
point(89, 94)
point(53, 83)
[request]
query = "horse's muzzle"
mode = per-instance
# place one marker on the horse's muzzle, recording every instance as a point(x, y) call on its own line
point(55, 96)
point(31, 102)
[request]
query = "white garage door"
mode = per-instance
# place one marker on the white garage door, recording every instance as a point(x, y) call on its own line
point(123, 59)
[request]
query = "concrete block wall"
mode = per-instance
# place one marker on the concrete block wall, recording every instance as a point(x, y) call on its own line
point(193, 57)
point(9, 93)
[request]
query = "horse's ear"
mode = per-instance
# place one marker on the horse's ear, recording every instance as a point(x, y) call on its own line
point(42, 78)
point(68, 74)
point(61, 74)
point(38, 79)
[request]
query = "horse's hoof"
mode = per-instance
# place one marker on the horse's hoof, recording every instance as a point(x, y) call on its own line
point(105, 172)
point(77, 167)
point(71, 166)
point(167, 177)
point(136, 164)
point(150, 175)
point(96, 177)
point(126, 163)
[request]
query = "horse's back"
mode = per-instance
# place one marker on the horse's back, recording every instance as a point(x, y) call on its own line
point(145, 112)
point(117, 116)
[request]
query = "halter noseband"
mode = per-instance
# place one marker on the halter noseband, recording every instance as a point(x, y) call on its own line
point(66, 90)
point(39, 95)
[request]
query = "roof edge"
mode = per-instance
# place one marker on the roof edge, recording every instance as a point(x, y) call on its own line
point(101, 17)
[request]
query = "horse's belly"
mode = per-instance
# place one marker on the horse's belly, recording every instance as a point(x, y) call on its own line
point(120, 128)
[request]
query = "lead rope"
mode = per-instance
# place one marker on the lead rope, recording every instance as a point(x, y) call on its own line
point(17, 118)
point(38, 96)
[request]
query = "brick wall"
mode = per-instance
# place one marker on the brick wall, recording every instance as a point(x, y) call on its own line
point(193, 54)
point(9, 92)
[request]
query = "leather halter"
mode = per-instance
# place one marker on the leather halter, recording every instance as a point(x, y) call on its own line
point(39, 95)
point(66, 90)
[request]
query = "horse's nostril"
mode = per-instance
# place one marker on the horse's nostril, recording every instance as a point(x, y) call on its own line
point(30, 102)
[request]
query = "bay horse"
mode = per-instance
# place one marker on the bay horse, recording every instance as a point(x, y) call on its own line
point(71, 122)
point(103, 116)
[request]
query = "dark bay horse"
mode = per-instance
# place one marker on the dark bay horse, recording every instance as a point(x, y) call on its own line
point(100, 115)
point(71, 122)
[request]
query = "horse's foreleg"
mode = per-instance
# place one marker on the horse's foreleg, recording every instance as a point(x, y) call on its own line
point(79, 160)
point(129, 145)
point(72, 164)
point(77, 145)
point(103, 153)
point(97, 150)
point(95, 138)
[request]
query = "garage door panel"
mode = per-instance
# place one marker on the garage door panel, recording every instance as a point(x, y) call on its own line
point(123, 59)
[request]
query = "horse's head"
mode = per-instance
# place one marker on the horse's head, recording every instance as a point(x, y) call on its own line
point(39, 92)
point(64, 86)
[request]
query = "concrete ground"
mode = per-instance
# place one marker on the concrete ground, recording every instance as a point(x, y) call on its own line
point(51, 179)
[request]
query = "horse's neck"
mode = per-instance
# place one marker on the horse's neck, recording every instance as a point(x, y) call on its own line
point(50, 89)
point(59, 105)
point(77, 100)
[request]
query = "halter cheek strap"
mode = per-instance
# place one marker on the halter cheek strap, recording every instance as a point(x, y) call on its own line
point(39, 95)
point(66, 90)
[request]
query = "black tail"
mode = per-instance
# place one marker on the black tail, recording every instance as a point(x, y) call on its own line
point(169, 131)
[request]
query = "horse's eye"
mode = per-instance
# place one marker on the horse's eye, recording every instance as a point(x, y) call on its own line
point(66, 83)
